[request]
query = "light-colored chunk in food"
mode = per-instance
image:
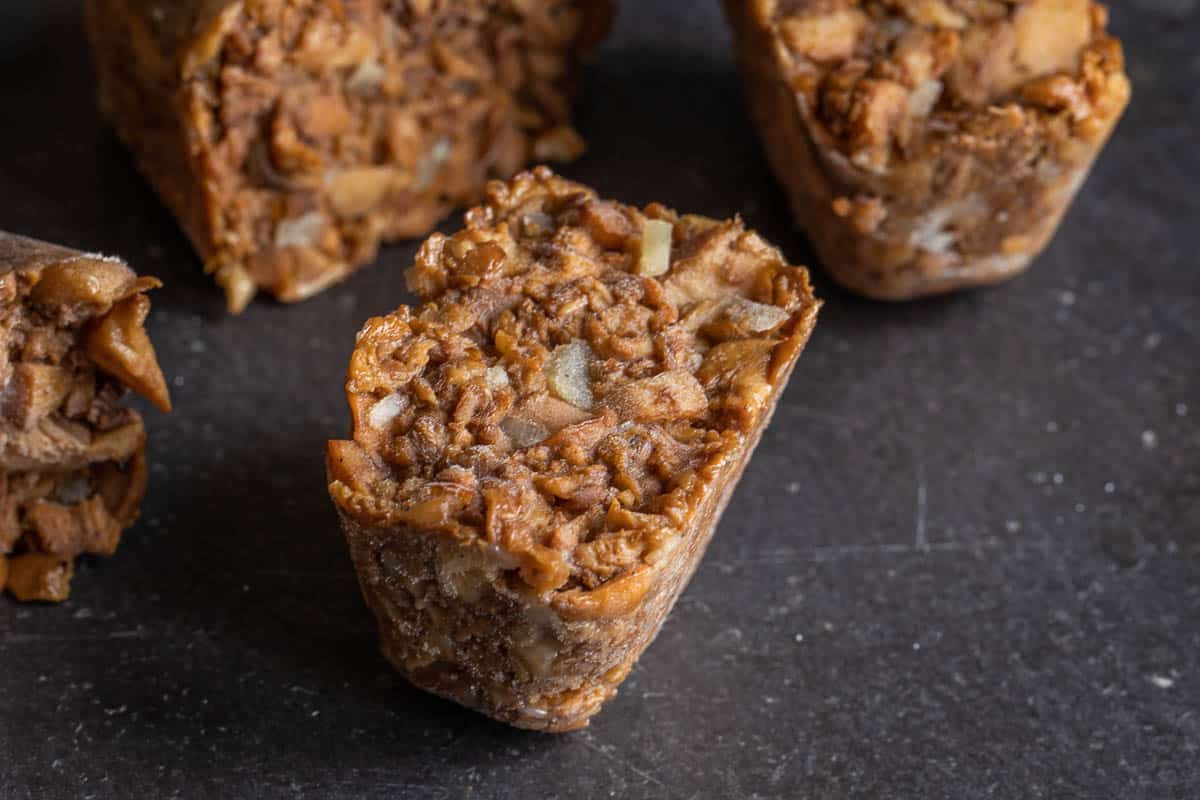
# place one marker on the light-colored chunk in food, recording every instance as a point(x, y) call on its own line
point(568, 373)
point(497, 377)
point(299, 231)
point(756, 317)
point(386, 410)
point(934, 13)
point(675, 394)
point(355, 191)
point(824, 37)
point(924, 98)
point(654, 254)
point(1050, 35)
point(523, 432)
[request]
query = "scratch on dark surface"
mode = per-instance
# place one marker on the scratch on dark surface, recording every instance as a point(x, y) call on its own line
point(922, 541)
point(826, 553)
point(22, 638)
point(599, 748)
point(781, 768)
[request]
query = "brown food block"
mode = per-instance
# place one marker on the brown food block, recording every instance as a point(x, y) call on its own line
point(291, 138)
point(929, 145)
point(541, 453)
point(72, 458)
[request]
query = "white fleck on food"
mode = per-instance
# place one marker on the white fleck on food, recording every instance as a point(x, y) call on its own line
point(1110, 487)
point(931, 234)
point(429, 166)
point(1161, 681)
point(1149, 439)
point(654, 257)
point(386, 410)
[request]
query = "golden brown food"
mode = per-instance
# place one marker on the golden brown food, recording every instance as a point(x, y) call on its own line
point(541, 454)
point(929, 145)
point(290, 137)
point(72, 458)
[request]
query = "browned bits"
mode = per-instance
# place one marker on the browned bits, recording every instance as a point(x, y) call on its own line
point(370, 120)
point(34, 391)
point(72, 465)
point(38, 576)
point(547, 441)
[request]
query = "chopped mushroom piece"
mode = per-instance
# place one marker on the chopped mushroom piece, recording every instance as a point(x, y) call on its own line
point(570, 436)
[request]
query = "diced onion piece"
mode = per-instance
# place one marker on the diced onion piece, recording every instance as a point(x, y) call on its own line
point(432, 162)
point(540, 417)
point(355, 191)
point(654, 257)
point(756, 317)
point(568, 375)
point(299, 231)
point(367, 77)
point(496, 377)
point(386, 410)
point(924, 98)
point(671, 395)
point(523, 432)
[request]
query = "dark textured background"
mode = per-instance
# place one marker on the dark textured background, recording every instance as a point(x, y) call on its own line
point(965, 563)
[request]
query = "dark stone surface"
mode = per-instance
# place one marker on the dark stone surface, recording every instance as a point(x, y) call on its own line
point(965, 563)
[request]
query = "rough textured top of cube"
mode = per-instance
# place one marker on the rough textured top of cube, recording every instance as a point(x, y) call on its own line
point(887, 77)
point(570, 400)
